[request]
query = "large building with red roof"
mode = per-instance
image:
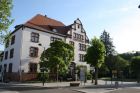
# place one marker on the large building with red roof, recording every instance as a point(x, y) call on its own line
point(22, 53)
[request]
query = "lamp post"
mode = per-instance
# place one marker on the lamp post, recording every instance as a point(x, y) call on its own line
point(43, 69)
point(92, 70)
point(57, 73)
point(43, 78)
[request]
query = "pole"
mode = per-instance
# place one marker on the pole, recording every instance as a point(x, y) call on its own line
point(57, 74)
point(43, 78)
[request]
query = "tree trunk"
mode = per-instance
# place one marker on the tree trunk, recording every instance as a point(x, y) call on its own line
point(110, 72)
point(92, 77)
point(96, 75)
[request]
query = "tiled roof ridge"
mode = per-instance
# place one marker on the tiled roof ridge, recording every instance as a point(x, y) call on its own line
point(45, 17)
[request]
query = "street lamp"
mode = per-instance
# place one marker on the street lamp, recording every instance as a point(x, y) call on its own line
point(43, 69)
point(57, 73)
point(92, 70)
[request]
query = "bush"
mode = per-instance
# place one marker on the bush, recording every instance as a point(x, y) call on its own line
point(89, 76)
point(41, 77)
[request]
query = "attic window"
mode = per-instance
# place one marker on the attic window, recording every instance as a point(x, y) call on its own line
point(78, 25)
point(54, 30)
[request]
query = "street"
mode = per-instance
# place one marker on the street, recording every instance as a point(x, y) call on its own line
point(63, 87)
point(33, 89)
point(126, 90)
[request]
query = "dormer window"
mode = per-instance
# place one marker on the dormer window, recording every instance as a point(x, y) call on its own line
point(54, 30)
point(78, 26)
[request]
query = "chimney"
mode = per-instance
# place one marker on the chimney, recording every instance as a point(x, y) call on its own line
point(45, 15)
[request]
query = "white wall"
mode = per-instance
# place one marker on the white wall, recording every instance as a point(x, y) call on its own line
point(23, 43)
point(16, 58)
point(76, 43)
point(44, 39)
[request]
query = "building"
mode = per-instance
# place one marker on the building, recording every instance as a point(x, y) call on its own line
point(22, 53)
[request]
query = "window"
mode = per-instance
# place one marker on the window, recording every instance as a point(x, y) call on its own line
point(1, 56)
point(7, 44)
point(35, 37)
point(55, 38)
point(71, 43)
point(10, 68)
point(78, 26)
point(13, 40)
point(81, 57)
point(0, 68)
point(33, 51)
point(5, 67)
point(32, 67)
point(78, 37)
point(6, 55)
point(82, 47)
point(11, 53)
point(74, 35)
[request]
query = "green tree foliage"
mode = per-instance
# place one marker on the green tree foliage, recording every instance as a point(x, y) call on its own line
point(105, 38)
point(5, 19)
point(95, 55)
point(135, 67)
point(110, 51)
point(58, 56)
point(129, 55)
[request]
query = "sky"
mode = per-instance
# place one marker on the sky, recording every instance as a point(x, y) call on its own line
point(121, 18)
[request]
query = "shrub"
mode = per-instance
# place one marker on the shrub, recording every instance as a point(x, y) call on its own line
point(41, 77)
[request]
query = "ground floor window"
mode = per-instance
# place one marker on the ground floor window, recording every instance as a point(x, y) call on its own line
point(5, 67)
point(10, 68)
point(33, 67)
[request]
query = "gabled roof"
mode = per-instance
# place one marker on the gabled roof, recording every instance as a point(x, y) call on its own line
point(47, 24)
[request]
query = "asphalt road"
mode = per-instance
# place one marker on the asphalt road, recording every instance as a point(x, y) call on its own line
point(126, 90)
point(32, 89)
point(13, 88)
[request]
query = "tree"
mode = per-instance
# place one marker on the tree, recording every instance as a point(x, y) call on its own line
point(135, 67)
point(95, 55)
point(5, 19)
point(57, 57)
point(110, 51)
point(109, 47)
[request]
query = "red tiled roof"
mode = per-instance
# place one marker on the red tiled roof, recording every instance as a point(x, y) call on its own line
point(44, 23)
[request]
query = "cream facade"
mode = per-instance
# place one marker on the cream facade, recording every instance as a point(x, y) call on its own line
point(20, 53)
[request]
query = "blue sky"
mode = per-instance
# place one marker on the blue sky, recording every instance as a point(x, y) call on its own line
point(121, 18)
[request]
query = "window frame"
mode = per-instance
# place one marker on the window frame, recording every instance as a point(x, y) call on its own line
point(13, 40)
point(12, 53)
point(10, 68)
point(33, 52)
point(6, 55)
point(81, 58)
point(34, 37)
point(33, 67)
